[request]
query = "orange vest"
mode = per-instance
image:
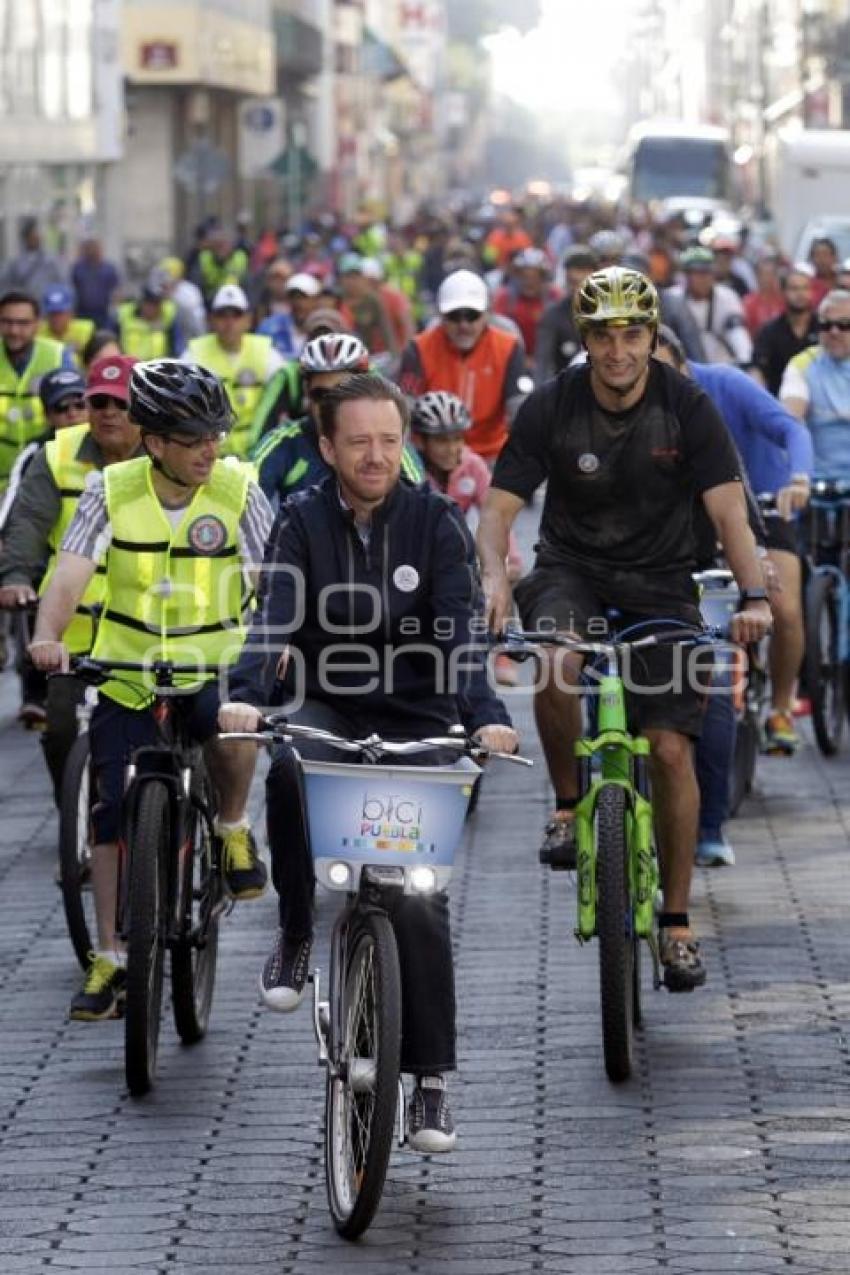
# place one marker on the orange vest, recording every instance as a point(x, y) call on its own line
point(478, 378)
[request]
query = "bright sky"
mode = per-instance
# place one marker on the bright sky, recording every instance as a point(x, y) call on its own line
point(564, 63)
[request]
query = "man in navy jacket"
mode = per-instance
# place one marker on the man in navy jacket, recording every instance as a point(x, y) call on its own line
point(370, 614)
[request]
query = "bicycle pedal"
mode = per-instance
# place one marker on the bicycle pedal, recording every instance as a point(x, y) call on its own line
point(561, 860)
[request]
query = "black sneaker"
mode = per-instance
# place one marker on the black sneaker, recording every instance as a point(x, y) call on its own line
point(102, 992)
point(559, 845)
point(284, 975)
point(431, 1129)
point(244, 872)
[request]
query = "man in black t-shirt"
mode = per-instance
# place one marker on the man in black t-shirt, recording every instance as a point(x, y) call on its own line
point(792, 332)
point(627, 446)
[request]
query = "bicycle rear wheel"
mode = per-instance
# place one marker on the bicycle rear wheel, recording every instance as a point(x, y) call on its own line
point(361, 1100)
point(148, 843)
point(823, 671)
point(194, 956)
point(618, 958)
point(75, 850)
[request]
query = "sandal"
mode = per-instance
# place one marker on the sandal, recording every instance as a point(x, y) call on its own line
point(684, 968)
point(559, 845)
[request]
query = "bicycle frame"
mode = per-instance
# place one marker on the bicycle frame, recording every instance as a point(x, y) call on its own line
point(622, 759)
point(830, 525)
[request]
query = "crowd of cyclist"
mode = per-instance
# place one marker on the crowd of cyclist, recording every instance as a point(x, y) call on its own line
point(211, 416)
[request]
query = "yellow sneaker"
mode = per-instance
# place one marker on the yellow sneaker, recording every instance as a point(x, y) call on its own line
point(244, 872)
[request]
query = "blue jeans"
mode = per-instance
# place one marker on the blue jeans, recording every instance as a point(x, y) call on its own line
point(715, 750)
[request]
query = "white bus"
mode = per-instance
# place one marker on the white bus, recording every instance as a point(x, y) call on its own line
point(686, 165)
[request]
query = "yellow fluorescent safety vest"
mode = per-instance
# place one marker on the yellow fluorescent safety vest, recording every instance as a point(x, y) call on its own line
point(145, 338)
point(21, 414)
point(69, 474)
point(171, 593)
point(244, 380)
point(76, 338)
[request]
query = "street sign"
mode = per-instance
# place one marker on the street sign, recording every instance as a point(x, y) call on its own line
point(202, 168)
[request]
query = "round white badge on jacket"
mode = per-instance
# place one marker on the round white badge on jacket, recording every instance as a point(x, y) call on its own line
point(405, 578)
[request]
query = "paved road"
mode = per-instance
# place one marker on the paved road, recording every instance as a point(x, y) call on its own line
point(729, 1151)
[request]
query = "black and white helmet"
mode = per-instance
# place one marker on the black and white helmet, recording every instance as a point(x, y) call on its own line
point(168, 396)
point(439, 412)
point(334, 352)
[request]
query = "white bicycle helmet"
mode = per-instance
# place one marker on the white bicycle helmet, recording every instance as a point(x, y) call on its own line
point(439, 412)
point(334, 352)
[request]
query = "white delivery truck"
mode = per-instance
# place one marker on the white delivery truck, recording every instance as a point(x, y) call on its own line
point(808, 174)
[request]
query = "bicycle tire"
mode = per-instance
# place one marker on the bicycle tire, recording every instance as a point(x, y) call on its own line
point(148, 841)
point(825, 676)
point(615, 932)
point(195, 954)
point(360, 1122)
point(75, 850)
point(744, 755)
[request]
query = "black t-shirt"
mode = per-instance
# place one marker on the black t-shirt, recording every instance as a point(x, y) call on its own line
point(775, 345)
point(622, 486)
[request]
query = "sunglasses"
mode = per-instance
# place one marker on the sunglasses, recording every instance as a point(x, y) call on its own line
point(102, 401)
point(229, 312)
point(69, 405)
point(463, 316)
point(826, 325)
point(318, 394)
point(195, 444)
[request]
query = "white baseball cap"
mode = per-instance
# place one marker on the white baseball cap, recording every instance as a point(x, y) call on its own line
point(372, 269)
point(230, 297)
point(462, 290)
point(306, 283)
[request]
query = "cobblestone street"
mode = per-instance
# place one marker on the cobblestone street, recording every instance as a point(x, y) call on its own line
point(728, 1151)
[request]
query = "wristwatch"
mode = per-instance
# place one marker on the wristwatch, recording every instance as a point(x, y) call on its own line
point(754, 595)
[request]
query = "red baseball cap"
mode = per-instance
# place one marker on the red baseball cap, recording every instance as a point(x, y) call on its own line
point(111, 375)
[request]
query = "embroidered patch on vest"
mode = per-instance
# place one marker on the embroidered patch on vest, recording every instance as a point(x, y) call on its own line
point(207, 534)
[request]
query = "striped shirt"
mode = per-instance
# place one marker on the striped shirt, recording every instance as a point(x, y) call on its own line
point(90, 532)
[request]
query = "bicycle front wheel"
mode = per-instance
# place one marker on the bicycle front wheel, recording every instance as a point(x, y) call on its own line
point(75, 850)
point(149, 840)
point(618, 959)
point(823, 671)
point(195, 954)
point(361, 1100)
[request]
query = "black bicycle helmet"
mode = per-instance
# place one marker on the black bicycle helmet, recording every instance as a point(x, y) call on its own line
point(439, 412)
point(168, 396)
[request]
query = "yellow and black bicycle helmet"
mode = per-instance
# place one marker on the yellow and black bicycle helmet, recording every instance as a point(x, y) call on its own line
point(615, 297)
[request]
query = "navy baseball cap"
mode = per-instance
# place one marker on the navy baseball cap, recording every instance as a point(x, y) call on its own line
point(63, 382)
point(57, 299)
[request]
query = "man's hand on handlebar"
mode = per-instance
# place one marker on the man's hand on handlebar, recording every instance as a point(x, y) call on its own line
point(794, 497)
point(751, 624)
point(497, 738)
point(13, 596)
point(49, 657)
point(238, 717)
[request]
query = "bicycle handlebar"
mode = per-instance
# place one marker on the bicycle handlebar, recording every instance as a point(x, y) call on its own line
point(277, 730)
point(686, 634)
point(95, 671)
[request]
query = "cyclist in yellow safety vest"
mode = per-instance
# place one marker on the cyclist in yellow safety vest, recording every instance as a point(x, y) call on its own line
point(220, 262)
point(186, 536)
point(243, 361)
point(149, 328)
point(42, 511)
point(24, 359)
point(61, 324)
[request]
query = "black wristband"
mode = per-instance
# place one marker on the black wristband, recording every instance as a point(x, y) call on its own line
point(753, 595)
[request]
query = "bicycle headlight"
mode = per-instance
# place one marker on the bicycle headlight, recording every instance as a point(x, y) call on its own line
point(423, 879)
point(339, 874)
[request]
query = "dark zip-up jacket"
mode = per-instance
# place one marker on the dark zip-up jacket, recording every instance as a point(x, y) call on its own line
point(372, 626)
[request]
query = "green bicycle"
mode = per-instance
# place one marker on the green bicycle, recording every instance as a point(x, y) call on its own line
point(617, 865)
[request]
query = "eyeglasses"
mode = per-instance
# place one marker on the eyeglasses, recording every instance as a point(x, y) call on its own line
point(826, 325)
point(69, 405)
point(16, 323)
point(228, 312)
point(102, 401)
point(463, 316)
point(195, 444)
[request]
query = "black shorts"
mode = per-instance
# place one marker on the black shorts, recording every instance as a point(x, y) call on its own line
point(782, 535)
point(665, 684)
point(116, 732)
